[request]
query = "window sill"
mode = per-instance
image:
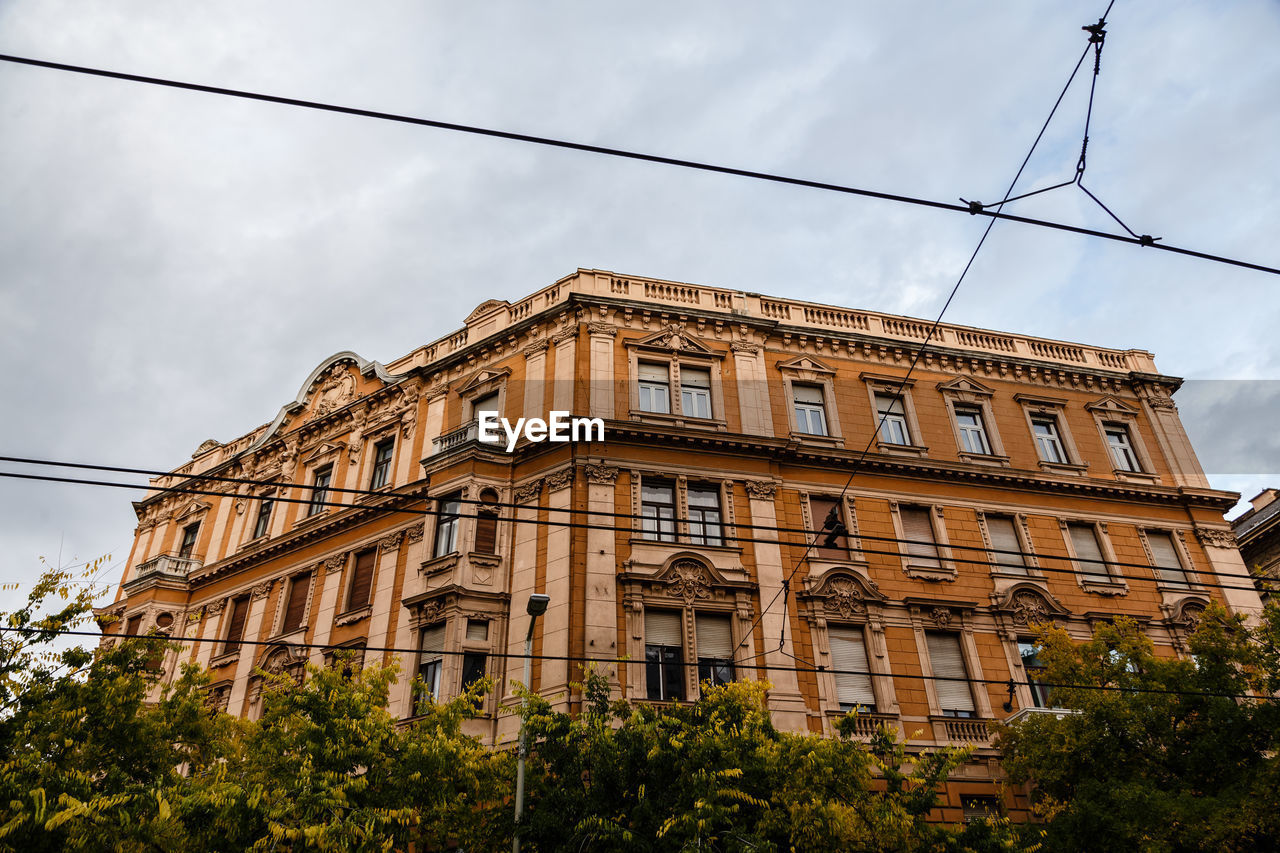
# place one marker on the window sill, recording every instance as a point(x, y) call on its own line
point(225, 659)
point(985, 459)
point(1006, 573)
point(678, 420)
point(1136, 477)
point(1064, 468)
point(931, 573)
point(353, 615)
point(888, 447)
point(812, 438)
point(1108, 588)
point(437, 565)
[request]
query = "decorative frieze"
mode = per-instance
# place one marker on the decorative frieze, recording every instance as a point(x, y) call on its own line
point(762, 490)
point(261, 590)
point(558, 479)
point(1215, 538)
point(528, 493)
point(601, 475)
point(391, 542)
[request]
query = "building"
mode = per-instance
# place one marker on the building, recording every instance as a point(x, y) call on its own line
point(1258, 535)
point(1015, 480)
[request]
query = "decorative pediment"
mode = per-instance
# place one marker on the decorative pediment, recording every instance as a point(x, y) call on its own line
point(487, 307)
point(192, 509)
point(1027, 603)
point(205, 446)
point(845, 594)
point(685, 576)
point(280, 659)
point(482, 378)
point(965, 387)
point(1113, 406)
point(806, 364)
point(1188, 613)
point(676, 339)
point(323, 450)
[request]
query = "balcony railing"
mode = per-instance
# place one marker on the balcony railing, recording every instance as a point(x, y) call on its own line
point(167, 565)
point(865, 725)
point(468, 432)
point(1026, 713)
point(966, 730)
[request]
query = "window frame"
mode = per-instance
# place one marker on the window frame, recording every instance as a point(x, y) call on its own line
point(1053, 411)
point(1093, 581)
point(674, 363)
point(446, 521)
point(262, 521)
point(703, 539)
point(1021, 532)
point(658, 534)
point(291, 582)
point(1113, 413)
point(966, 393)
point(946, 568)
point(1190, 578)
point(320, 493)
point(883, 388)
point(384, 468)
point(810, 410)
point(188, 540)
point(971, 673)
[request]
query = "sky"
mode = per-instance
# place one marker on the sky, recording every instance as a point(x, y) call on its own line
point(174, 264)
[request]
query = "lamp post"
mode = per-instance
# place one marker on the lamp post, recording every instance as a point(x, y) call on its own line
point(536, 607)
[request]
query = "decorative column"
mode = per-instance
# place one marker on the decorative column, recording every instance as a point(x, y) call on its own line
point(565, 376)
point(435, 419)
point(785, 700)
point(753, 388)
point(601, 377)
point(523, 582)
point(535, 380)
point(600, 618)
point(332, 580)
point(249, 653)
point(406, 638)
point(1172, 438)
point(210, 628)
point(384, 581)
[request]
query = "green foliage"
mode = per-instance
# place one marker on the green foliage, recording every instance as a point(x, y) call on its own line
point(1157, 771)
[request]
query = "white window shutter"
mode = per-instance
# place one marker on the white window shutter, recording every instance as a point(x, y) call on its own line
point(663, 628)
point(849, 659)
point(715, 636)
point(948, 663)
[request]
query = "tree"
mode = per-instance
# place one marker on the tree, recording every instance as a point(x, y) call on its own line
point(1170, 761)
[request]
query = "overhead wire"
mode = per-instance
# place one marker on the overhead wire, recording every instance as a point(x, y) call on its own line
point(621, 153)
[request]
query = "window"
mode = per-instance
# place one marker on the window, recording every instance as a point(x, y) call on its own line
point(892, 419)
point(1048, 443)
point(704, 516)
point(1006, 549)
point(951, 677)
point(431, 661)
point(1121, 447)
point(655, 388)
point(189, 535)
point(917, 530)
point(1034, 669)
point(811, 414)
point(382, 452)
point(487, 403)
point(663, 655)
point(133, 626)
point(362, 579)
point(446, 541)
point(478, 629)
point(1089, 560)
point(715, 648)
point(658, 510)
point(695, 392)
point(820, 510)
point(295, 612)
point(487, 523)
point(1164, 555)
point(973, 432)
point(320, 490)
point(235, 628)
point(849, 660)
point(473, 668)
point(263, 524)
point(979, 807)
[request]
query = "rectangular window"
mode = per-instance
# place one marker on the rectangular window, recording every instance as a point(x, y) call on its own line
point(664, 655)
point(695, 392)
point(892, 419)
point(921, 544)
point(1034, 669)
point(382, 452)
point(1006, 550)
point(431, 661)
point(189, 535)
point(658, 511)
point(704, 516)
point(951, 677)
point(487, 403)
point(715, 648)
point(263, 524)
point(811, 413)
point(362, 579)
point(1121, 448)
point(849, 660)
point(295, 612)
point(133, 626)
point(1089, 562)
point(1165, 556)
point(477, 629)
point(320, 490)
point(235, 629)
point(973, 432)
point(655, 388)
point(446, 541)
point(1048, 443)
point(473, 668)
point(820, 510)
point(979, 807)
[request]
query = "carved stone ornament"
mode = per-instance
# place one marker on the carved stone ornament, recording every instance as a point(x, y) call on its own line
point(409, 417)
point(194, 617)
point(1216, 538)
point(431, 611)
point(563, 335)
point(262, 590)
point(205, 446)
point(941, 616)
point(602, 329)
point(689, 581)
point(844, 597)
point(335, 563)
point(536, 348)
point(215, 607)
point(601, 475)
point(1162, 403)
point(1028, 608)
point(414, 534)
point(745, 346)
point(219, 698)
point(763, 490)
point(1191, 615)
point(528, 493)
point(337, 388)
point(559, 479)
point(391, 542)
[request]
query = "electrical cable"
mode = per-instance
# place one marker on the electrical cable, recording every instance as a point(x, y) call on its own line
point(616, 529)
point(606, 660)
point(625, 154)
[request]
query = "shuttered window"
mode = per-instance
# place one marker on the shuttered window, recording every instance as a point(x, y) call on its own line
point(1084, 539)
point(295, 613)
point(654, 388)
point(235, 631)
point(921, 546)
point(477, 629)
point(132, 627)
point(361, 579)
point(430, 659)
point(954, 696)
point(1004, 538)
point(715, 647)
point(664, 654)
point(1165, 554)
point(849, 660)
point(486, 532)
point(819, 510)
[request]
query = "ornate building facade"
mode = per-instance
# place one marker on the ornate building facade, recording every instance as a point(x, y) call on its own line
point(1015, 480)
point(1258, 535)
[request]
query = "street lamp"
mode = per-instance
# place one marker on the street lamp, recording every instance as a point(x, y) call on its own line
point(536, 607)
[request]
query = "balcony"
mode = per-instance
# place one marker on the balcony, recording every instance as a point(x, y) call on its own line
point(1028, 713)
point(866, 724)
point(971, 730)
point(165, 566)
point(464, 434)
